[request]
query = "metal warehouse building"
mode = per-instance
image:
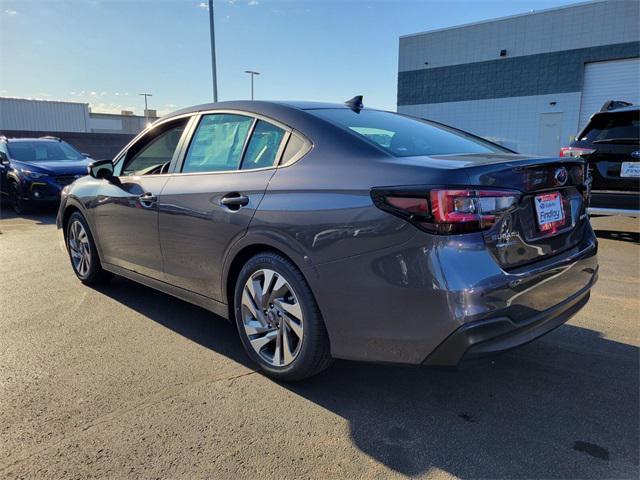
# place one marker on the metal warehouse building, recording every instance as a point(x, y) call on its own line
point(101, 135)
point(530, 81)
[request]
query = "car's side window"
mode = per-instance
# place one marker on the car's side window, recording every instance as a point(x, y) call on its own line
point(152, 154)
point(218, 143)
point(263, 146)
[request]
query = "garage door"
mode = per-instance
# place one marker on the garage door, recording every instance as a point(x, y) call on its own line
point(611, 80)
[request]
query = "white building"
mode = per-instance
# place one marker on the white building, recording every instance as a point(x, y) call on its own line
point(528, 81)
point(26, 115)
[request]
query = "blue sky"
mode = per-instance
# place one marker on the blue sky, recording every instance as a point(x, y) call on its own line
point(106, 52)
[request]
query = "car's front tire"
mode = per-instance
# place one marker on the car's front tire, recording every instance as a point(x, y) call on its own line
point(278, 320)
point(83, 253)
point(15, 198)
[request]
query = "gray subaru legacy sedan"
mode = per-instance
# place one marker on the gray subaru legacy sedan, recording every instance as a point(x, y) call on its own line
point(338, 231)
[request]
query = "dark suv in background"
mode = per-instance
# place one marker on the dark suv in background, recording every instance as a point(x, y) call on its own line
point(611, 144)
point(35, 170)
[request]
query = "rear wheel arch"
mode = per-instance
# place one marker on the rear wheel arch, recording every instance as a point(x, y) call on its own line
point(241, 257)
point(239, 260)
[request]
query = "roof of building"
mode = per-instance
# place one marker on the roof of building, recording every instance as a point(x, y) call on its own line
point(499, 19)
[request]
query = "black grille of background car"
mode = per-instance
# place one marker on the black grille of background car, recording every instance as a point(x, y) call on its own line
point(65, 179)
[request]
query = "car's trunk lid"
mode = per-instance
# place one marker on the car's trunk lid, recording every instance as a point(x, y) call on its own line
point(528, 233)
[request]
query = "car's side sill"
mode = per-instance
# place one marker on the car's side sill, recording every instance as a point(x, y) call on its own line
point(207, 303)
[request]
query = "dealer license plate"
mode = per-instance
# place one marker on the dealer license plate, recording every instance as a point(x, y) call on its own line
point(549, 210)
point(630, 169)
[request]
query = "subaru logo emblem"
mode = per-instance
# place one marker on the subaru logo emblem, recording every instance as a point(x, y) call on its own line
point(636, 154)
point(561, 176)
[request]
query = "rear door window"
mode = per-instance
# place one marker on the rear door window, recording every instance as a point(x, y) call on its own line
point(218, 143)
point(263, 146)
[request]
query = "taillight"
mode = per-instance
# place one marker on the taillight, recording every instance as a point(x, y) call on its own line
point(447, 211)
point(575, 152)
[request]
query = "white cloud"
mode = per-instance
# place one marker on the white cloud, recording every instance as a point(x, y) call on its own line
point(253, 2)
point(93, 94)
point(10, 12)
point(204, 5)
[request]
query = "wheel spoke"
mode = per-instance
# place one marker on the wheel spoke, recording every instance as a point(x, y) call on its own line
point(294, 326)
point(249, 302)
point(267, 287)
point(255, 290)
point(255, 328)
point(260, 342)
point(277, 354)
point(286, 345)
point(290, 308)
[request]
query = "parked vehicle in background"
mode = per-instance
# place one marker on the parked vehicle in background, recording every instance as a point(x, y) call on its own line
point(336, 231)
point(611, 144)
point(33, 171)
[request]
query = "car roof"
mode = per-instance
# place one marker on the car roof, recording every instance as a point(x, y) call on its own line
point(257, 106)
point(629, 108)
point(281, 110)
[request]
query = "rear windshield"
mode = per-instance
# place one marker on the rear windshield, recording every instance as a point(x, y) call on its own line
point(43, 151)
point(613, 126)
point(405, 136)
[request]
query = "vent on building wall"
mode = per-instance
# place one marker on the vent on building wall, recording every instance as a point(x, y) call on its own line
point(503, 53)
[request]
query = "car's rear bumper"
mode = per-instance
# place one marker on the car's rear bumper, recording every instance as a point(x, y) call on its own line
point(499, 334)
point(404, 304)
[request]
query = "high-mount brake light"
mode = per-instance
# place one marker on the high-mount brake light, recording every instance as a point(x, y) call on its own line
point(447, 211)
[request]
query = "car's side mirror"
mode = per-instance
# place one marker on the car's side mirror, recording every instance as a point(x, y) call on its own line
point(102, 169)
point(4, 160)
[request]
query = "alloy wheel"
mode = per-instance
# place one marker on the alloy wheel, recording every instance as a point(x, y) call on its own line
point(79, 248)
point(272, 317)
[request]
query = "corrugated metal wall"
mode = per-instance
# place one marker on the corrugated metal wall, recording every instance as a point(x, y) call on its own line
point(20, 114)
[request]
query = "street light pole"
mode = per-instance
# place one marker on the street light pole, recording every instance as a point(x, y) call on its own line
point(213, 52)
point(252, 73)
point(146, 116)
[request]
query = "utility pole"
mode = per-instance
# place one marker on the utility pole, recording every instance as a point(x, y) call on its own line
point(252, 73)
point(146, 116)
point(213, 52)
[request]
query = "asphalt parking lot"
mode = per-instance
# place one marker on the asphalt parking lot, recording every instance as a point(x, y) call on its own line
point(123, 381)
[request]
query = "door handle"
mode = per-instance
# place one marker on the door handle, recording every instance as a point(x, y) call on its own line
point(234, 201)
point(147, 199)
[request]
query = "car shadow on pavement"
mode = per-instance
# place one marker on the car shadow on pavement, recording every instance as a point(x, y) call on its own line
point(632, 237)
point(41, 216)
point(185, 319)
point(565, 406)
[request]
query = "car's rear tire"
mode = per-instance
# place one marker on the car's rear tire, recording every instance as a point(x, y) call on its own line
point(83, 253)
point(278, 319)
point(15, 199)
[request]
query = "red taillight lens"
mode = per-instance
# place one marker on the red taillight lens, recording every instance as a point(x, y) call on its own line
point(575, 152)
point(478, 209)
point(448, 210)
point(410, 204)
